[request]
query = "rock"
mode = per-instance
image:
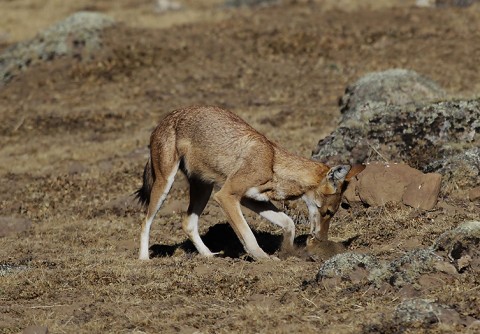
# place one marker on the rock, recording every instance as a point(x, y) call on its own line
point(348, 266)
point(446, 268)
point(445, 3)
point(422, 192)
point(77, 36)
point(461, 245)
point(474, 327)
point(162, 6)
point(7, 268)
point(460, 171)
point(390, 87)
point(407, 269)
point(380, 183)
point(442, 136)
point(12, 225)
point(414, 134)
point(424, 312)
point(35, 330)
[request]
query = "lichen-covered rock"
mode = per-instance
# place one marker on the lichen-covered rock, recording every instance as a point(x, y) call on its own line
point(461, 245)
point(414, 134)
point(407, 269)
point(445, 3)
point(460, 171)
point(6, 268)
point(424, 312)
point(348, 266)
point(162, 6)
point(78, 36)
point(390, 87)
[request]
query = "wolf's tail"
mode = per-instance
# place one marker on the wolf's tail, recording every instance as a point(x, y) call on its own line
point(143, 194)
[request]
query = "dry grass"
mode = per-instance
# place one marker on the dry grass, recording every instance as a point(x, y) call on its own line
point(74, 139)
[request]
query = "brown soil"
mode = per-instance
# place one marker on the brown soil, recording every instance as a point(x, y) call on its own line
point(74, 141)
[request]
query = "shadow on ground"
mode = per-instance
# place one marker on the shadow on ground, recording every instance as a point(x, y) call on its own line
point(222, 238)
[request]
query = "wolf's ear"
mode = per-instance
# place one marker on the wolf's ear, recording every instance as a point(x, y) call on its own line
point(354, 171)
point(334, 179)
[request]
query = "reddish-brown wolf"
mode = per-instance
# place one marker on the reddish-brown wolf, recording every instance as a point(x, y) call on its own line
point(212, 146)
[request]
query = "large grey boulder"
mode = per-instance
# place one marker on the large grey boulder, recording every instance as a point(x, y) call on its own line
point(415, 134)
point(79, 35)
point(390, 87)
point(390, 116)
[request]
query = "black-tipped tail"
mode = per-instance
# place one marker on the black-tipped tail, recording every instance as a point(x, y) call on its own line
point(143, 194)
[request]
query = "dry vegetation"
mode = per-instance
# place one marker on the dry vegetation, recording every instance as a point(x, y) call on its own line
point(74, 141)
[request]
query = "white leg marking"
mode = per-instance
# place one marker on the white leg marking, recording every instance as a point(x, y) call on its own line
point(145, 235)
point(250, 242)
point(144, 254)
point(282, 220)
point(313, 214)
point(191, 228)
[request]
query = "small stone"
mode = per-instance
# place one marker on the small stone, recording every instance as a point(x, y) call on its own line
point(445, 267)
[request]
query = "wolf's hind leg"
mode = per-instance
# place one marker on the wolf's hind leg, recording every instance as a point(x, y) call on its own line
point(200, 192)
